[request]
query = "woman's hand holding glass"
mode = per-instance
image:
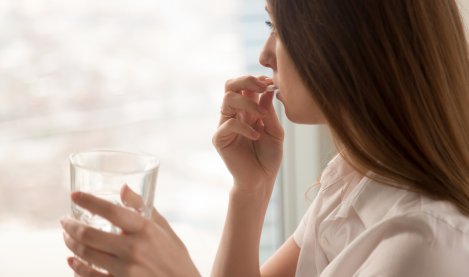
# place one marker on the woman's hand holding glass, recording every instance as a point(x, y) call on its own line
point(250, 137)
point(143, 248)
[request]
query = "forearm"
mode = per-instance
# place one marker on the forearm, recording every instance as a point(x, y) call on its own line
point(238, 252)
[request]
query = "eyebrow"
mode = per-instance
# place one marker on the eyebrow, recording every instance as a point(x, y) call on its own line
point(267, 9)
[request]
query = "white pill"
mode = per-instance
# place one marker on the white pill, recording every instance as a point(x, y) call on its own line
point(271, 88)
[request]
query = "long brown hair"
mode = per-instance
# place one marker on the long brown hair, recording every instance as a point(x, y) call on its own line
point(391, 78)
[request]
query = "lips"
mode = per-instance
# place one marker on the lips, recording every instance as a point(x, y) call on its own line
point(278, 95)
point(277, 90)
point(274, 89)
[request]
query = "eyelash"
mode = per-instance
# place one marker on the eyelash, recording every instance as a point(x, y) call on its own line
point(270, 25)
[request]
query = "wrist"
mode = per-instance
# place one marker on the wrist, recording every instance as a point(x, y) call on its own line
point(254, 192)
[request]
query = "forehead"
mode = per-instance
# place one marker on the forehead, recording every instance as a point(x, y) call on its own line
point(267, 6)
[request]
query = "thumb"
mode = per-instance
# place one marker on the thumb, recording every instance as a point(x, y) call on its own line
point(271, 122)
point(133, 200)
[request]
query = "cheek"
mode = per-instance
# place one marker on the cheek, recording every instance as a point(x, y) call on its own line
point(297, 100)
point(316, 116)
point(301, 108)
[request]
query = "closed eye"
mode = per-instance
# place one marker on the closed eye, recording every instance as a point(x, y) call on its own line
point(269, 24)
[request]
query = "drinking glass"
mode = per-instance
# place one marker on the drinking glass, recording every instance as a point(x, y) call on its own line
point(103, 173)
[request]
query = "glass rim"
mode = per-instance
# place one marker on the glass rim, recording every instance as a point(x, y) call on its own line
point(154, 166)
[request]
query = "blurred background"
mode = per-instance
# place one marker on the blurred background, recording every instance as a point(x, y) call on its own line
point(136, 75)
point(146, 76)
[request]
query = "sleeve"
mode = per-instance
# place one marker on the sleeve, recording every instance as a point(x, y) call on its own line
point(300, 231)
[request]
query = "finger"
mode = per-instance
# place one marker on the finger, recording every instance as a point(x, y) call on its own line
point(133, 200)
point(249, 83)
point(271, 122)
point(265, 79)
point(265, 100)
point(83, 269)
point(233, 103)
point(129, 221)
point(91, 237)
point(254, 96)
point(91, 255)
point(230, 130)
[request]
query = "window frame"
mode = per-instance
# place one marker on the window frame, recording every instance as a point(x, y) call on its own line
point(307, 150)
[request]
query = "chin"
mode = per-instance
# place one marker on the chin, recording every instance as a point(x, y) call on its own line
point(302, 119)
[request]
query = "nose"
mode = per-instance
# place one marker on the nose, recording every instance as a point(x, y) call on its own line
point(267, 57)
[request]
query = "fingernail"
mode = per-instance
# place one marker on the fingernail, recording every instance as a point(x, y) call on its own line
point(64, 220)
point(124, 190)
point(71, 262)
point(75, 196)
point(262, 84)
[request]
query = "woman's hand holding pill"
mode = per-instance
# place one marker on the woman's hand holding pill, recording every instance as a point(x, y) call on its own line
point(249, 136)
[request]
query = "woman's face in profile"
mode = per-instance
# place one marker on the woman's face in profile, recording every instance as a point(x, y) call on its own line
point(295, 96)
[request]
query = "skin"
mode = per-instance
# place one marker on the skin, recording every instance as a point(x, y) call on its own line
point(299, 105)
point(144, 248)
point(249, 139)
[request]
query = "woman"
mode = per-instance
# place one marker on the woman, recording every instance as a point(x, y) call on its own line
point(389, 78)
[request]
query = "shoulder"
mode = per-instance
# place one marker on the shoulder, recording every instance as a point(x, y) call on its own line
point(408, 234)
point(417, 244)
point(376, 203)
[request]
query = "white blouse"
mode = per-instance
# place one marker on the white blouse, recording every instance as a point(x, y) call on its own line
point(360, 227)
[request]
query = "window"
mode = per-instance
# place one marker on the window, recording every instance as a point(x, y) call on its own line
point(254, 33)
point(136, 75)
